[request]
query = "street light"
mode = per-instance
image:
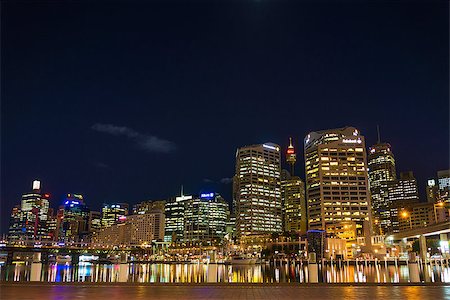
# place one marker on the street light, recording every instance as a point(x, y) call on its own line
point(406, 215)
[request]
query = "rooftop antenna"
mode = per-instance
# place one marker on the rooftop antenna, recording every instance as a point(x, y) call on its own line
point(182, 191)
point(378, 133)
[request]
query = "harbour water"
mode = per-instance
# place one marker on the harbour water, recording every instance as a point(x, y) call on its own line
point(217, 273)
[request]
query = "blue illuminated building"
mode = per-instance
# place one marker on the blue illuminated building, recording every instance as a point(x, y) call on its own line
point(75, 219)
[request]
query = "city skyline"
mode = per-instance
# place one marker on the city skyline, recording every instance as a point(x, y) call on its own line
point(205, 185)
point(131, 110)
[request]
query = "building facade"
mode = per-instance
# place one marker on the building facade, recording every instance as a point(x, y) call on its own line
point(74, 219)
point(381, 171)
point(113, 213)
point(294, 204)
point(205, 218)
point(401, 193)
point(337, 185)
point(258, 190)
point(444, 185)
point(29, 220)
point(135, 230)
point(174, 211)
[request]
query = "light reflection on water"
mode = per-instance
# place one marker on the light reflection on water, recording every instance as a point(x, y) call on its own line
point(214, 273)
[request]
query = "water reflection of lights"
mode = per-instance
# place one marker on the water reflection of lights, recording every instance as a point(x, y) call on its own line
point(197, 273)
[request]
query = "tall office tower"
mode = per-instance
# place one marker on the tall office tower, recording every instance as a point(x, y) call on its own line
point(294, 204)
point(258, 190)
point(381, 164)
point(174, 211)
point(113, 213)
point(148, 206)
point(74, 219)
point(205, 218)
point(292, 196)
point(401, 193)
point(337, 186)
point(15, 224)
point(432, 191)
point(34, 208)
point(444, 185)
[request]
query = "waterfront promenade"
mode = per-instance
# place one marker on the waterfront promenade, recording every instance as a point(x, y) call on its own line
point(67, 291)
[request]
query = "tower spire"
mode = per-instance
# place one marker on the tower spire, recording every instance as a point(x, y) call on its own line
point(290, 156)
point(378, 134)
point(181, 191)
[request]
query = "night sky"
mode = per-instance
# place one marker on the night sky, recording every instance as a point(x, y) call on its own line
point(126, 101)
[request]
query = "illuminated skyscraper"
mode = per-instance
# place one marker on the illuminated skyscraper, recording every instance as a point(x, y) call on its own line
point(381, 165)
point(293, 196)
point(34, 214)
point(74, 221)
point(336, 178)
point(401, 193)
point(15, 224)
point(205, 218)
point(258, 190)
point(113, 213)
point(174, 222)
point(294, 204)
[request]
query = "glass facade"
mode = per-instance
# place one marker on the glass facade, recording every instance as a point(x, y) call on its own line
point(258, 190)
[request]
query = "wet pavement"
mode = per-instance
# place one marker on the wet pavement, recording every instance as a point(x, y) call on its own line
point(92, 291)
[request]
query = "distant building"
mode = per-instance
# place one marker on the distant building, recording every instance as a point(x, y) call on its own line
point(381, 165)
point(145, 228)
point(135, 230)
point(174, 211)
point(294, 204)
point(401, 193)
point(444, 185)
point(15, 224)
point(74, 222)
point(432, 190)
point(52, 225)
point(205, 218)
point(95, 221)
point(257, 189)
point(147, 206)
point(113, 213)
point(416, 215)
point(293, 196)
point(337, 185)
point(29, 222)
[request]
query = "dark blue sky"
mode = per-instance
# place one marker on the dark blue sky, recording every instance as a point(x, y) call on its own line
point(126, 101)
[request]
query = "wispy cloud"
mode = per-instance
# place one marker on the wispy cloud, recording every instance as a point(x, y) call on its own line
point(226, 180)
point(207, 180)
point(145, 142)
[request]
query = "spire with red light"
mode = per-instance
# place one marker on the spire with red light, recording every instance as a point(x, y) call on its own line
point(291, 157)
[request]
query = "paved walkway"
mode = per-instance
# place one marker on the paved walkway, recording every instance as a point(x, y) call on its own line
point(30, 291)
